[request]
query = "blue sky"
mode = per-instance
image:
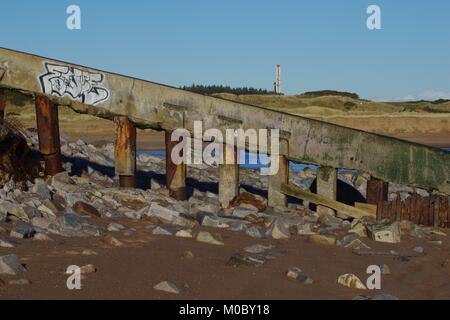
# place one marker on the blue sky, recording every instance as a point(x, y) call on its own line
point(321, 44)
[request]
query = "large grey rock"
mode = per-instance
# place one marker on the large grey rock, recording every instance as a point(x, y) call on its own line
point(242, 213)
point(208, 220)
point(255, 232)
point(279, 230)
point(166, 215)
point(10, 265)
point(160, 231)
point(63, 182)
point(41, 189)
point(22, 230)
point(13, 209)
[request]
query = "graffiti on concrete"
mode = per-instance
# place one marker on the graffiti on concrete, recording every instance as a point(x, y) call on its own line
point(80, 85)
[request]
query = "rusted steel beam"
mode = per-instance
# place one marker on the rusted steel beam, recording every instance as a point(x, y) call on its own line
point(377, 191)
point(125, 152)
point(175, 174)
point(48, 133)
point(2, 104)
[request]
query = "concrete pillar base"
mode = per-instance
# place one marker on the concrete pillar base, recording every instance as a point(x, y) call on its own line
point(326, 187)
point(228, 177)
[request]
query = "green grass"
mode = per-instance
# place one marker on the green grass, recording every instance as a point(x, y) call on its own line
point(338, 105)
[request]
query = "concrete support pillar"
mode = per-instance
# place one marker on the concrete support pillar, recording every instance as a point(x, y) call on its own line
point(229, 176)
point(276, 197)
point(377, 191)
point(48, 133)
point(175, 174)
point(125, 152)
point(2, 104)
point(326, 187)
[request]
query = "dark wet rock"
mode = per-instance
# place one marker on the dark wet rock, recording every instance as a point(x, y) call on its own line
point(11, 265)
point(255, 232)
point(298, 274)
point(238, 260)
point(16, 160)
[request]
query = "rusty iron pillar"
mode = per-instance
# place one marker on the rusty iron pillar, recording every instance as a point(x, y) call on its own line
point(377, 191)
point(2, 104)
point(125, 152)
point(175, 174)
point(48, 133)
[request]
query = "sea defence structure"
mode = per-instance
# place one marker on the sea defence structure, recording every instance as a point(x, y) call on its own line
point(133, 103)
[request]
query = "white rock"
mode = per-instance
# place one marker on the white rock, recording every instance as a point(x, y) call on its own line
point(206, 237)
point(168, 287)
point(187, 233)
point(6, 244)
point(115, 227)
point(351, 281)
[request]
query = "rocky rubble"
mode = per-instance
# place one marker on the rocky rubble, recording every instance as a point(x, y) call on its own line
point(87, 205)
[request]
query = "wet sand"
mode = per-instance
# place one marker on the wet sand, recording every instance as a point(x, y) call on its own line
point(131, 272)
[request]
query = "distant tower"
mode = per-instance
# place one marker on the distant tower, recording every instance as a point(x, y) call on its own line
point(277, 84)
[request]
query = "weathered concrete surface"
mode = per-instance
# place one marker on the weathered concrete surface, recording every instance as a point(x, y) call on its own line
point(326, 187)
point(275, 197)
point(156, 106)
point(229, 177)
point(175, 173)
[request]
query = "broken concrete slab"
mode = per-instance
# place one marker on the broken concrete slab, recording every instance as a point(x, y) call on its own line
point(384, 232)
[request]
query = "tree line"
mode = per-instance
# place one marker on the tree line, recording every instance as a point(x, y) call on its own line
point(211, 89)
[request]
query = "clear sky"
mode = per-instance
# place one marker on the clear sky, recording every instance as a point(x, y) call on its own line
point(321, 44)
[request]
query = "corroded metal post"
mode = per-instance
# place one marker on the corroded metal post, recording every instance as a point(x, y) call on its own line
point(125, 152)
point(175, 174)
point(276, 197)
point(48, 132)
point(2, 104)
point(377, 191)
point(229, 176)
point(326, 187)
